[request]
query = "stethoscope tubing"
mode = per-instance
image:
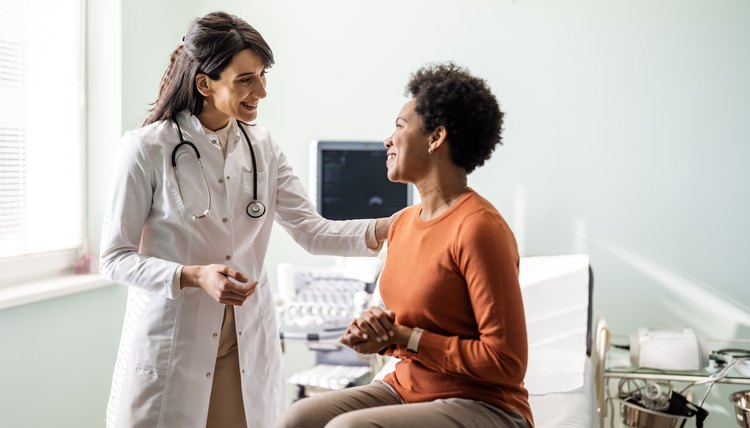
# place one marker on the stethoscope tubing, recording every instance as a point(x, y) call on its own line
point(255, 208)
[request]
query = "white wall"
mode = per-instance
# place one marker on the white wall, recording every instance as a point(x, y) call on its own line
point(626, 133)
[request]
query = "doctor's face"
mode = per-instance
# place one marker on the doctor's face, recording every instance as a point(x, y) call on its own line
point(240, 87)
point(407, 157)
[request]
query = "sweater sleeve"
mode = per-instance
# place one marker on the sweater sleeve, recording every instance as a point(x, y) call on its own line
point(485, 252)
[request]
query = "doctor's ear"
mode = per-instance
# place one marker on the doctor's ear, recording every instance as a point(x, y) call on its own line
point(201, 82)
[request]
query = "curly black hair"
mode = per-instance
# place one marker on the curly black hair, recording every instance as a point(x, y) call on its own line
point(446, 94)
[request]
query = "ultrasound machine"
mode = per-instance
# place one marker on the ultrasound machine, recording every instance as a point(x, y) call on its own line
point(348, 181)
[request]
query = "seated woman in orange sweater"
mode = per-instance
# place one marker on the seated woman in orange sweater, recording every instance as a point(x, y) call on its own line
point(455, 316)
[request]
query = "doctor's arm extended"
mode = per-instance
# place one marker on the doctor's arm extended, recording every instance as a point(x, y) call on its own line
point(125, 224)
point(498, 353)
point(317, 235)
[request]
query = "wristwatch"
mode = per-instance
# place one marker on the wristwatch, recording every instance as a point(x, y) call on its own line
point(413, 344)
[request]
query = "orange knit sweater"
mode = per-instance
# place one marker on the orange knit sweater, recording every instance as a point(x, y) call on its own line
point(456, 276)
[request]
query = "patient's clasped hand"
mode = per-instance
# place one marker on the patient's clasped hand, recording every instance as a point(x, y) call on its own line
point(375, 330)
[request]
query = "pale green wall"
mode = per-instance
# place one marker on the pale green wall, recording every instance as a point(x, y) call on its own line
point(625, 138)
point(151, 30)
point(57, 358)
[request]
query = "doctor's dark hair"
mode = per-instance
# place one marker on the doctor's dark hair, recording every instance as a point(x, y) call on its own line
point(446, 94)
point(208, 48)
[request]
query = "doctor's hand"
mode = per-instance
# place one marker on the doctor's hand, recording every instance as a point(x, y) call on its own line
point(383, 225)
point(216, 281)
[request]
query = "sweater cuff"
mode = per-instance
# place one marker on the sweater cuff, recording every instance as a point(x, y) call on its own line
point(371, 240)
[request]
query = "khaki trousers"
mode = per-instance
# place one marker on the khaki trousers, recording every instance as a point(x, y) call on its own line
point(226, 409)
point(377, 406)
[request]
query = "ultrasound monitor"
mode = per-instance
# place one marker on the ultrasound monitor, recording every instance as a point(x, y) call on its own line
point(348, 181)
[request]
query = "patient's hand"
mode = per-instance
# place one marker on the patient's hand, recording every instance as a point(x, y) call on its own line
point(371, 332)
point(362, 346)
point(375, 324)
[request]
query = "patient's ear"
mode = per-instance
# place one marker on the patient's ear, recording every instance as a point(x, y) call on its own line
point(438, 137)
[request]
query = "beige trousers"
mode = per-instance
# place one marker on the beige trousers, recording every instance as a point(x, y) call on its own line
point(377, 406)
point(226, 409)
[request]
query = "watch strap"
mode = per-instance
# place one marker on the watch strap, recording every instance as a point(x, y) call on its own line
point(413, 344)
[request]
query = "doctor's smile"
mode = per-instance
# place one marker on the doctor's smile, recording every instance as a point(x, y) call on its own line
point(251, 107)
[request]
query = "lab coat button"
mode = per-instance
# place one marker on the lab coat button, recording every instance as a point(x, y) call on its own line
point(228, 257)
point(227, 177)
point(215, 334)
point(221, 180)
point(208, 374)
point(224, 220)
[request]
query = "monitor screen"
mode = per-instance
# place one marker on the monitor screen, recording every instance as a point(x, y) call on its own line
point(350, 181)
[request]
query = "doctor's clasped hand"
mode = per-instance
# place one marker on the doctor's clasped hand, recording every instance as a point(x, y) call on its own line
point(216, 281)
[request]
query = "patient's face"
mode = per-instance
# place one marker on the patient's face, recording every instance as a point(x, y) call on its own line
point(407, 147)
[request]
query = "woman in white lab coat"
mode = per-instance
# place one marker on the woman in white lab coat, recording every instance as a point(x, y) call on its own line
point(199, 344)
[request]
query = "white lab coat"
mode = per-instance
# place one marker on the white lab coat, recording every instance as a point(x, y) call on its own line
point(168, 348)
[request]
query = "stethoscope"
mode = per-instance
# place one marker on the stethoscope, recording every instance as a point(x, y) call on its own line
point(255, 208)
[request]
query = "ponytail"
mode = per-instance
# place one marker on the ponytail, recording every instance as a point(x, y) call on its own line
point(161, 107)
point(167, 77)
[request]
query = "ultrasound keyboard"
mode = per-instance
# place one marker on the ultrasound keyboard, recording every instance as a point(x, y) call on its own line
point(323, 305)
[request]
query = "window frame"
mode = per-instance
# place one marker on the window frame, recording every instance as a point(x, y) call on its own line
point(20, 270)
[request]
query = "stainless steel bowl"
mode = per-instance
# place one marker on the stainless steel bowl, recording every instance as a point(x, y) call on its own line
point(635, 416)
point(741, 401)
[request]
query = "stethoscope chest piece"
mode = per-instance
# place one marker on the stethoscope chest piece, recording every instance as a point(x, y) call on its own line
point(256, 209)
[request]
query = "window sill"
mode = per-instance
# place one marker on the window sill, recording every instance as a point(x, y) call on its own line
point(36, 291)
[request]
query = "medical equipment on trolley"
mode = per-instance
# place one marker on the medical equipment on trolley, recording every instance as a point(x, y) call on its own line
point(648, 404)
point(666, 349)
point(255, 208)
point(347, 181)
point(317, 304)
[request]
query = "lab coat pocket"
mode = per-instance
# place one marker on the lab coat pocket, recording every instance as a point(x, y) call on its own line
point(172, 202)
point(143, 397)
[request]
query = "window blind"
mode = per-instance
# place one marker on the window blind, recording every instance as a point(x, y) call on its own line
point(41, 127)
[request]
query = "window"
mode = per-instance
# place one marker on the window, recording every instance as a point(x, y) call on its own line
point(41, 137)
